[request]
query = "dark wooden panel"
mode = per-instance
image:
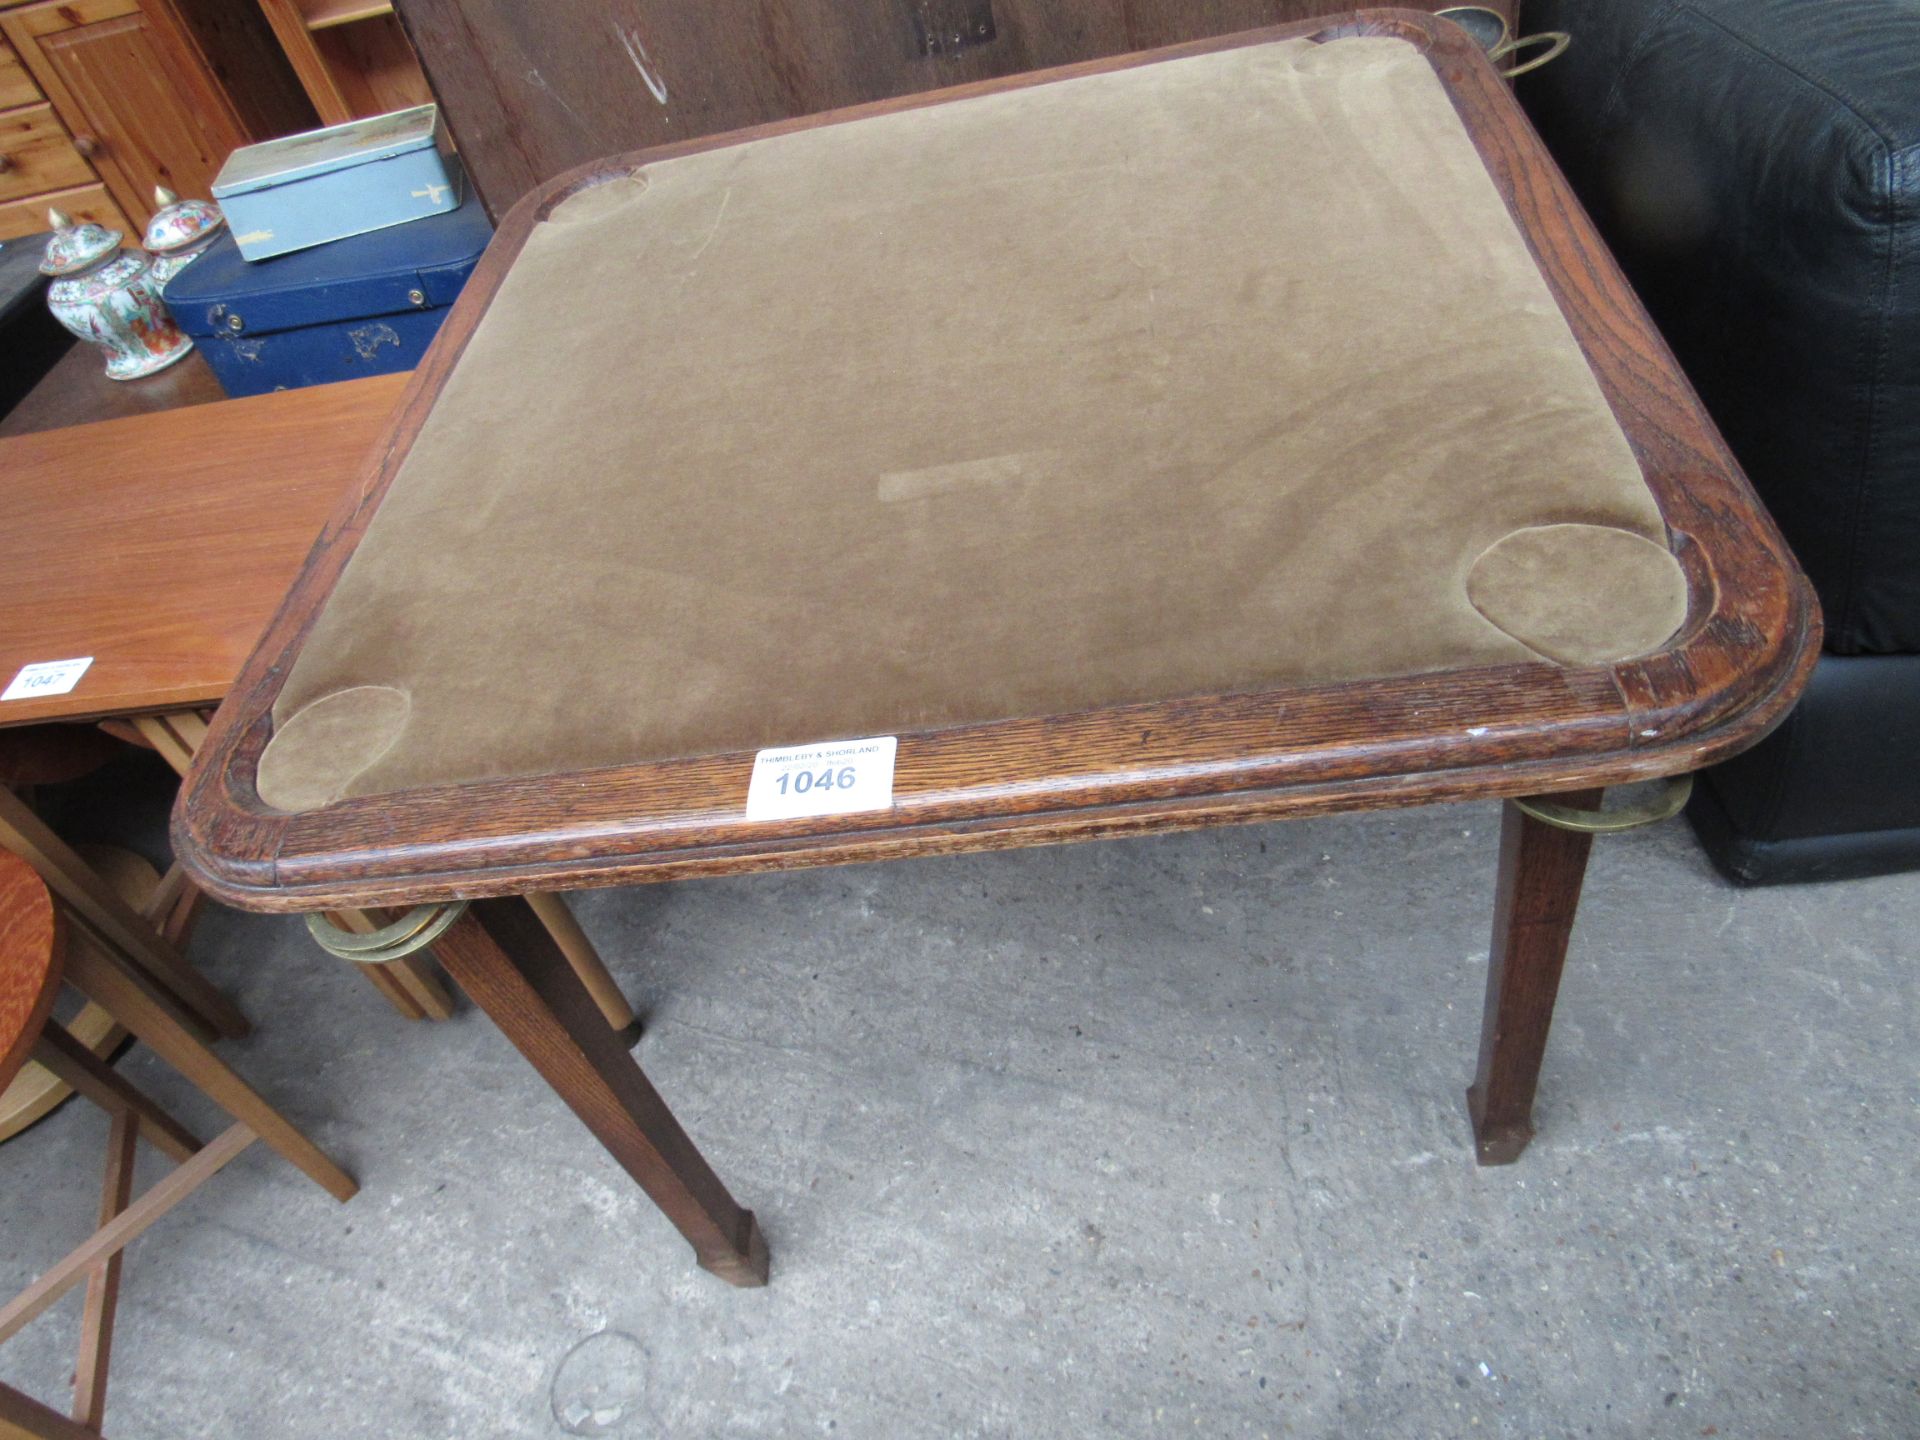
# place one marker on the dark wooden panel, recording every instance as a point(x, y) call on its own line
point(239, 49)
point(532, 90)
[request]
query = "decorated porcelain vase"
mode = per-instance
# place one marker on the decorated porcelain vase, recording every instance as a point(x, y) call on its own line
point(108, 297)
point(179, 233)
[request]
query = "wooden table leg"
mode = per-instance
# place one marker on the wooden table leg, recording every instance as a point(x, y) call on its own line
point(24, 1418)
point(403, 1004)
point(103, 1281)
point(1541, 869)
point(170, 745)
point(123, 1230)
point(408, 983)
point(155, 1019)
point(87, 1074)
point(587, 964)
point(506, 960)
point(414, 975)
point(174, 905)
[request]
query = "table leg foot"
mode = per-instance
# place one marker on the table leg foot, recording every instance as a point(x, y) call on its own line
point(1495, 1144)
point(745, 1263)
point(631, 1036)
point(508, 962)
point(1541, 870)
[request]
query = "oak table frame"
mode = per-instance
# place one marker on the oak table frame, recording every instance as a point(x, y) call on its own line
point(1510, 730)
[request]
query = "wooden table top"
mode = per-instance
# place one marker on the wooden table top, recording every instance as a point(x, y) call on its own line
point(161, 544)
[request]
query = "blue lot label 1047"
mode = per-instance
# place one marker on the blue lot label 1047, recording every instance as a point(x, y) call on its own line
point(837, 777)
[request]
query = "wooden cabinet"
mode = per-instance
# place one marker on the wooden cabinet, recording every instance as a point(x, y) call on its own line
point(39, 168)
point(143, 112)
point(102, 100)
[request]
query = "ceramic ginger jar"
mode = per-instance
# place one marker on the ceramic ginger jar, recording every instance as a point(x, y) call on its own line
point(108, 297)
point(179, 233)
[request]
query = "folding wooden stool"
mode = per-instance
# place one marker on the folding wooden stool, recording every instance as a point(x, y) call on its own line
point(34, 960)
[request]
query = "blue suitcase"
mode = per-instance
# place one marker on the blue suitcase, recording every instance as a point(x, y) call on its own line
point(367, 305)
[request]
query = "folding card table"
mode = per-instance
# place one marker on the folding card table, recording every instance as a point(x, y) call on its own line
point(1250, 429)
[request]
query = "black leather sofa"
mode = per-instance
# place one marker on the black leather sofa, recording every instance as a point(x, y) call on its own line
point(1755, 165)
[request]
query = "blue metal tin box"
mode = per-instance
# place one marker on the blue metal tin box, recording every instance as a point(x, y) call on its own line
point(323, 185)
point(365, 306)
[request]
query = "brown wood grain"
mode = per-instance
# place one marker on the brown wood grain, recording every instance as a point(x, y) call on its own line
point(237, 47)
point(16, 85)
point(325, 14)
point(87, 1074)
point(24, 1418)
point(105, 976)
point(31, 956)
point(28, 215)
point(375, 65)
point(353, 57)
point(103, 1281)
point(532, 90)
point(37, 155)
point(146, 92)
point(1726, 678)
point(160, 544)
point(1538, 891)
point(110, 918)
point(323, 88)
point(53, 754)
point(172, 1188)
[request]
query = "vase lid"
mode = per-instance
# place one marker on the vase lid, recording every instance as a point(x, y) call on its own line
point(179, 223)
point(75, 247)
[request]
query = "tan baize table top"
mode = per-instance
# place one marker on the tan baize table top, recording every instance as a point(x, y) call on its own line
point(1210, 375)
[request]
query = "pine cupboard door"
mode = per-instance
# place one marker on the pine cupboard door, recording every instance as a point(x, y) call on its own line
point(134, 92)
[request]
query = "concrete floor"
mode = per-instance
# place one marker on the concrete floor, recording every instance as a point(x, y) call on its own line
point(1132, 1139)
